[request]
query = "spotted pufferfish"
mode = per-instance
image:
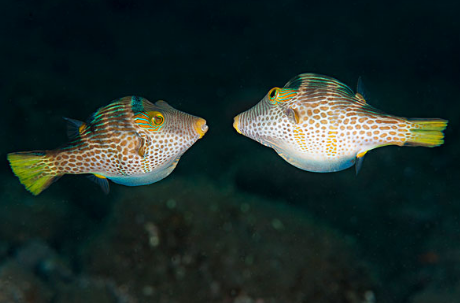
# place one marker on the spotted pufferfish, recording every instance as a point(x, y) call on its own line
point(131, 141)
point(319, 124)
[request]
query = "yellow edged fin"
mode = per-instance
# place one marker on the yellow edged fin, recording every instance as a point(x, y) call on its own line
point(359, 161)
point(102, 181)
point(74, 127)
point(361, 154)
point(82, 128)
point(426, 132)
point(33, 170)
point(360, 98)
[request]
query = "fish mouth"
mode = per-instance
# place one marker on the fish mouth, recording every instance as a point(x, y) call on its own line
point(200, 127)
point(236, 123)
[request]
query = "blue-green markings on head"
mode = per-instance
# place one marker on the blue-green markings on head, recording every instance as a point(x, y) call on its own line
point(278, 95)
point(136, 104)
point(294, 83)
point(143, 120)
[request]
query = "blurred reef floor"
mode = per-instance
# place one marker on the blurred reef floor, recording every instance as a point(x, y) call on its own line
point(201, 243)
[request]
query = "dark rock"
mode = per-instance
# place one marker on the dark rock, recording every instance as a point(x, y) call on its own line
point(205, 244)
point(17, 285)
point(86, 290)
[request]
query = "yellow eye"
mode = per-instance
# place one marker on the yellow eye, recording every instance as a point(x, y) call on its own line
point(273, 94)
point(158, 119)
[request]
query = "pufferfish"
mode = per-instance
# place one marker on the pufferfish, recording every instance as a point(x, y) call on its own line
point(131, 141)
point(318, 124)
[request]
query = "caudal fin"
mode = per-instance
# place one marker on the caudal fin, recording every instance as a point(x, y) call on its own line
point(33, 170)
point(426, 132)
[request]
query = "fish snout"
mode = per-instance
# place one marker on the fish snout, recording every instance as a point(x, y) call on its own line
point(236, 122)
point(200, 127)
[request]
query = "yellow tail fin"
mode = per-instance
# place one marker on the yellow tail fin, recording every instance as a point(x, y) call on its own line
point(426, 132)
point(33, 170)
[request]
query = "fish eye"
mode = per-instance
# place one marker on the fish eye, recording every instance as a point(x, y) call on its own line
point(273, 92)
point(273, 95)
point(158, 119)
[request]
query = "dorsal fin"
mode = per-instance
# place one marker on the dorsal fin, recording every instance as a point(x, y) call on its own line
point(361, 98)
point(311, 81)
point(361, 90)
point(74, 127)
point(360, 87)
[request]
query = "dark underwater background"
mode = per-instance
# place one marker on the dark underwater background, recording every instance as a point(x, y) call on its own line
point(234, 222)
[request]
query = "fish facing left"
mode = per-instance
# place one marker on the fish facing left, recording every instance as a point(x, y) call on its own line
point(318, 124)
point(131, 141)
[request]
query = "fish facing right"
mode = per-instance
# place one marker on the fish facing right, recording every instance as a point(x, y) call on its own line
point(319, 124)
point(131, 142)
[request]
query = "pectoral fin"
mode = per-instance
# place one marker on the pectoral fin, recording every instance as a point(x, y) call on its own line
point(292, 115)
point(142, 147)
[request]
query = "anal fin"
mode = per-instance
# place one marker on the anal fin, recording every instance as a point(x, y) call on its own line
point(359, 161)
point(101, 181)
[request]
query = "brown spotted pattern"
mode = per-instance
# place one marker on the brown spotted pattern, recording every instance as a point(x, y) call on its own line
point(324, 126)
point(113, 145)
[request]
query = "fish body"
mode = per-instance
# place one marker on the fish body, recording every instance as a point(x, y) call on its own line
point(319, 124)
point(131, 141)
